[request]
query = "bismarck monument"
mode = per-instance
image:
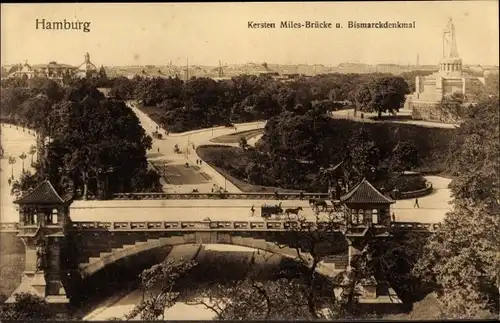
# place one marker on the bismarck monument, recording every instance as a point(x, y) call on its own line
point(449, 79)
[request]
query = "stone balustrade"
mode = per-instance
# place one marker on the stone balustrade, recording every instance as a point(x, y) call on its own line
point(415, 226)
point(283, 225)
point(202, 196)
point(9, 227)
point(203, 225)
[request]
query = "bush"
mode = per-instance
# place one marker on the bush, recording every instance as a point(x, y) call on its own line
point(26, 307)
point(406, 183)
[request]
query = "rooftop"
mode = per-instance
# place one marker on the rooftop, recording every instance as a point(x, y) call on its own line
point(365, 193)
point(43, 194)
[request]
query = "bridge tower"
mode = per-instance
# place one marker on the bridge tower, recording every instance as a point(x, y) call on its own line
point(43, 217)
point(366, 214)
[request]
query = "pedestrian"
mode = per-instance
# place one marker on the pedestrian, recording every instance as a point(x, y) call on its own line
point(276, 194)
point(416, 204)
point(10, 181)
point(200, 162)
point(393, 217)
point(253, 210)
point(301, 195)
point(158, 150)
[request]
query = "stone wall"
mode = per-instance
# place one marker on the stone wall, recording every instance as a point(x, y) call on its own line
point(418, 193)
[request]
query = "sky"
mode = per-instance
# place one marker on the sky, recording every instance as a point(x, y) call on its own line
point(206, 33)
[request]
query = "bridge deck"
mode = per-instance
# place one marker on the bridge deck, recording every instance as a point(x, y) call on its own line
point(177, 210)
point(223, 210)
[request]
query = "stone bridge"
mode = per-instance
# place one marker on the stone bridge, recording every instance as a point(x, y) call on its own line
point(64, 242)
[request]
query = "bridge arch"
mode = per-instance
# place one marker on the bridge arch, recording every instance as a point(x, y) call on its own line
point(96, 264)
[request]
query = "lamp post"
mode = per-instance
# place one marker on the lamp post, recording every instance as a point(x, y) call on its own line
point(23, 157)
point(12, 161)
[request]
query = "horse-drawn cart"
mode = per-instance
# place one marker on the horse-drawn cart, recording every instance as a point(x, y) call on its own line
point(268, 210)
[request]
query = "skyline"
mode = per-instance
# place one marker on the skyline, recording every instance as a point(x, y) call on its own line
point(132, 34)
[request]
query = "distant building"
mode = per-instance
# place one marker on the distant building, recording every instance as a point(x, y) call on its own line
point(87, 69)
point(449, 79)
point(54, 70)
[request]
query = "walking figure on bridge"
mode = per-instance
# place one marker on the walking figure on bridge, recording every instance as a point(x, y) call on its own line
point(416, 204)
point(253, 210)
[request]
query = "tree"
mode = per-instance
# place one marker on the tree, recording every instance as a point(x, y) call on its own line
point(462, 257)
point(452, 107)
point(26, 307)
point(364, 155)
point(158, 282)
point(382, 94)
point(404, 157)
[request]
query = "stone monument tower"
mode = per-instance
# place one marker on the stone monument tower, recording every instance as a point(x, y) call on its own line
point(448, 79)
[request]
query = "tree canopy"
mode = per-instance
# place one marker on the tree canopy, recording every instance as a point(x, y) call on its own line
point(463, 257)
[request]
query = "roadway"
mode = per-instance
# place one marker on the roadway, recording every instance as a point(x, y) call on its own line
point(14, 142)
point(432, 208)
point(179, 178)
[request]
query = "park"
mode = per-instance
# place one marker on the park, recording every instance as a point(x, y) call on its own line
point(121, 196)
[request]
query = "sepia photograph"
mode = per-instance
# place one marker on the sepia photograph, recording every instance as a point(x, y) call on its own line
point(250, 161)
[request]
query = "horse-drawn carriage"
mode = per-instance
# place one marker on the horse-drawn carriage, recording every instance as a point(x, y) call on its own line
point(157, 135)
point(325, 205)
point(268, 210)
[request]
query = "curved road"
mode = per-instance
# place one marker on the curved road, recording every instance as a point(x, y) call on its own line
point(163, 151)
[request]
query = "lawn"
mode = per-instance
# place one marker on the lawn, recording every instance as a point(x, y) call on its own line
point(234, 138)
point(154, 113)
point(426, 309)
point(210, 154)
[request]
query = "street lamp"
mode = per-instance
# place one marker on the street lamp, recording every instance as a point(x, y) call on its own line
point(23, 157)
point(12, 161)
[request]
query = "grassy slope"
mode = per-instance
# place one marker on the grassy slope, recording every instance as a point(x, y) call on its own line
point(210, 153)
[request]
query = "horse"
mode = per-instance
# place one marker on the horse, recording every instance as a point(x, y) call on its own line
point(293, 211)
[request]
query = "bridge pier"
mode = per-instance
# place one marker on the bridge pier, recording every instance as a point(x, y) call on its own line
point(43, 217)
point(41, 274)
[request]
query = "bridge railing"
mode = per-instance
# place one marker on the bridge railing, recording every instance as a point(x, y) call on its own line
point(200, 225)
point(219, 225)
point(415, 226)
point(201, 196)
point(9, 226)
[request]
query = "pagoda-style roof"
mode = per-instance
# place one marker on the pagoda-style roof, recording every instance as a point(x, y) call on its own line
point(43, 194)
point(365, 193)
